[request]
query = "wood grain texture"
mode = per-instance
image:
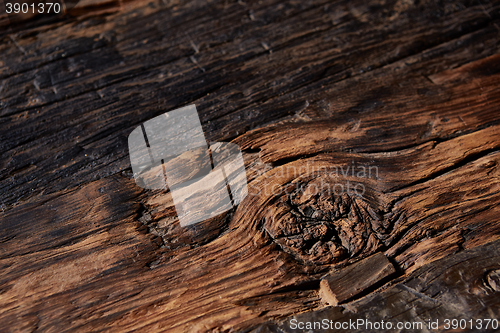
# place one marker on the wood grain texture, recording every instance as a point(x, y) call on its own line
point(365, 126)
point(342, 285)
point(453, 287)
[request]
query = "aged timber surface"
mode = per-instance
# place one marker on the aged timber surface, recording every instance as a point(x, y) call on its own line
point(369, 129)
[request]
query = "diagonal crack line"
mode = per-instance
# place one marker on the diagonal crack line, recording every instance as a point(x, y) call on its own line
point(402, 233)
point(455, 166)
point(285, 160)
point(436, 140)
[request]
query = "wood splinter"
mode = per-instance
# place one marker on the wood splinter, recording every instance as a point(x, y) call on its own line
point(342, 285)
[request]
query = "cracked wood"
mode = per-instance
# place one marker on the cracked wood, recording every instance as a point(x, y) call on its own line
point(308, 89)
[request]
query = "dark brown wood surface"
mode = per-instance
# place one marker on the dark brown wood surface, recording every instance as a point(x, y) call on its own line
point(310, 91)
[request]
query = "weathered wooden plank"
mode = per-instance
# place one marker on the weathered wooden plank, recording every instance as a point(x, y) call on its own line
point(311, 88)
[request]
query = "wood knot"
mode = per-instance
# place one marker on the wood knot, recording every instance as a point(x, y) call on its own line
point(323, 221)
